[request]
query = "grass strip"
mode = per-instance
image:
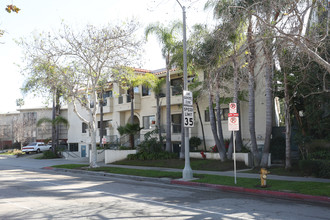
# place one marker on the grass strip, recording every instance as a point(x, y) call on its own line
point(196, 164)
point(71, 166)
point(308, 188)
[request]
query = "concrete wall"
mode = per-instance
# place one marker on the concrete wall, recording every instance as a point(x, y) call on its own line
point(100, 156)
point(116, 155)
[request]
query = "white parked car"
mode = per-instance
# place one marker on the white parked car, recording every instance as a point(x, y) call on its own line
point(36, 147)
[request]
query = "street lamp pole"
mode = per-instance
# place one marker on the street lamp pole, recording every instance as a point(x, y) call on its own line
point(187, 173)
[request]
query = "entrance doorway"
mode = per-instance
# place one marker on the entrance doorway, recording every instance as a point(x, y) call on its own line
point(83, 150)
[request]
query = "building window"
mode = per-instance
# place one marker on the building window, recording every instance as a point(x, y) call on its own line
point(73, 147)
point(224, 114)
point(148, 121)
point(120, 100)
point(176, 123)
point(84, 127)
point(106, 95)
point(146, 91)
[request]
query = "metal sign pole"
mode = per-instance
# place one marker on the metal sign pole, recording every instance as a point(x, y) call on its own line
point(234, 156)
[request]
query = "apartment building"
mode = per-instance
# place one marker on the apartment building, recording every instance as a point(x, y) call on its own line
point(117, 107)
point(19, 128)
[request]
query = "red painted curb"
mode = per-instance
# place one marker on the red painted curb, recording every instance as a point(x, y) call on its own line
point(256, 191)
point(48, 168)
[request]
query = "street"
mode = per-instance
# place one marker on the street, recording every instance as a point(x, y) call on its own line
point(29, 192)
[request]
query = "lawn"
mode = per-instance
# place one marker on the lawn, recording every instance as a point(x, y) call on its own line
point(196, 164)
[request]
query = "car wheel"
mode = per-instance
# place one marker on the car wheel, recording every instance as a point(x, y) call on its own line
point(38, 151)
point(27, 152)
point(50, 148)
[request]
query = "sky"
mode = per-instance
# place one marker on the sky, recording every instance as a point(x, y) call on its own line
point(47, 15)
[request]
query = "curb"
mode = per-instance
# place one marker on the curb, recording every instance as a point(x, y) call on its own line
point(287, 195)
point(277, 194)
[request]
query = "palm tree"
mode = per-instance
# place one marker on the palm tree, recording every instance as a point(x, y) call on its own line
point(207, 52)
point(166, 36)
point(58, 120)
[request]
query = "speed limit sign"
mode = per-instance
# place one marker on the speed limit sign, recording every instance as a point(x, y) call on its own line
point(188, 116)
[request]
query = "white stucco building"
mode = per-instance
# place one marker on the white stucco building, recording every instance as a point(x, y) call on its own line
point(117, 108)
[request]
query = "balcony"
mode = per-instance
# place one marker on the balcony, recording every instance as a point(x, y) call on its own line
point(176, 96)
point(124, 102)
point(107, 106)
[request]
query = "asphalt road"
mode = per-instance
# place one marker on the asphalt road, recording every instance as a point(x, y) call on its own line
point(28, 192)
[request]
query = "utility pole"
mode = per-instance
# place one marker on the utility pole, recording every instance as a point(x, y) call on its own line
point(187, 171)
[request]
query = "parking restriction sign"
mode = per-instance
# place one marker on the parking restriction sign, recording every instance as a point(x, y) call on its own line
point(232, 108)
point(233, 122)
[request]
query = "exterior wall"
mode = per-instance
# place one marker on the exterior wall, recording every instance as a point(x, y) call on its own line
point(7, 137)
point(116, 155)
point(75, 134)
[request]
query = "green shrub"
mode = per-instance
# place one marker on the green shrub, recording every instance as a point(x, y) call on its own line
point(150, 144)
point(194, 142)
point(152, 156)
point(124, 148)
point(318, 168)
point(320, 155)
point(151, 149)
point(49, 155)
point(324, 169)
point(309, 167)
point(245, 150)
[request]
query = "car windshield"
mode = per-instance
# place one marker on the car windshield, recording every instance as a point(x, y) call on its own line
point(32, 144)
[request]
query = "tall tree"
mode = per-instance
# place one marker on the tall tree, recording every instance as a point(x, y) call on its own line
point(42, 79)
point(167, 37)
point(230, 11)
point(207, 53)
point(292, 18)
point(85, 57)
point(59, 120)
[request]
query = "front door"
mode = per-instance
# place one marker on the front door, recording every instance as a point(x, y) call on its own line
point(83, 150)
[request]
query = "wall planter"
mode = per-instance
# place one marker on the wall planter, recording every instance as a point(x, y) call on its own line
point(116, 155)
